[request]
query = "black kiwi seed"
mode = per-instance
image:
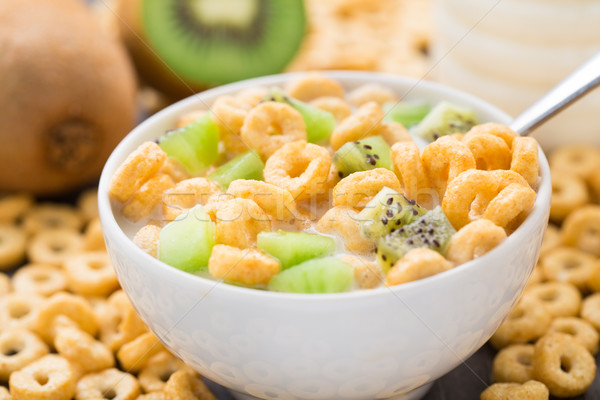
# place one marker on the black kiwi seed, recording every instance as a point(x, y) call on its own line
point(357, 142)
point(412, 202)
point(376, 156)
point(383, 257)
point(422, 220)
point(389, 213)
point(372, 161)
point(410, 242)
point(366, 146)
point(415, 212)
point(420, 230)
point(398, 222)
point(430, 232)
point(436, 243)
point(340, 174)
point(401, 230)
point(384, 220)
point(390, 201)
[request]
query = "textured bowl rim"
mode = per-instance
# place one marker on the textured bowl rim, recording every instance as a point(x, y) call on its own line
point(112, 228)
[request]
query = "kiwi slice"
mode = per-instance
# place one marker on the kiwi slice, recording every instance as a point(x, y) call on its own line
point(221, 41)
point(319, 275)
point(292, 248)
point(186, 242)
point(445, 119)
point(245, 166)
point(195, 146)
point(407, 113)
point(388, 211)
point(432, 230)
point(362, 155)
point(319, 123)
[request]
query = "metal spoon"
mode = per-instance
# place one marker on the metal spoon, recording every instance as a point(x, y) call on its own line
point(581, 81)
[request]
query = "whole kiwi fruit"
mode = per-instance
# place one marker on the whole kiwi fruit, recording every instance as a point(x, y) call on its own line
point(68, 96)
point(184, 46)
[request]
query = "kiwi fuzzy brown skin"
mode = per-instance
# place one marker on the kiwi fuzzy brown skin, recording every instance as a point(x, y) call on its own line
point(68, 96)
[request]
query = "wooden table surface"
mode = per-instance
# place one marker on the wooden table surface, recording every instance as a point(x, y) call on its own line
point(465, 382)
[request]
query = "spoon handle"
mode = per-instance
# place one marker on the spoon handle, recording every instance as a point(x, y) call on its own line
point(581, 81)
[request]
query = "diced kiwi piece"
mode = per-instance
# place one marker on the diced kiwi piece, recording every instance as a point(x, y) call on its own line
point(432, 230)
point(389, 210)
point(319, 123)
point(362, 155)
point(186, 242)
point(407, 113)
point(445, 119)
point(292, 248)
point(195, 145)
point(319, 275)
point(219, 41)
point(245, 166)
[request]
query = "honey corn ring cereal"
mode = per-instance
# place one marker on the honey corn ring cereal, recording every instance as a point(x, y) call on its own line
point(270, 125)
point(246, 266)
point(93, 238)
point(185, 384)
point(154, 376)
point(274, 200)
point(239, 221)
point(513, 364)
point(147, 239)
point(530, 390)
point(87, 204)
point(357, 189)
point(19, 310)
point(110, 383)
point(50, 377)
point(474, 240)
point(500, 130)
point(186, 194)
point(363, 123)
point(14, 206)
point(417, 264)
point(334, 105)
point(510, 206)
point(371, 92)
point(118, 322)
point(147, 197)
point(52, 216)
point(314, 85)
point(565, 264)
point(13, 242)
point(367, 273)
point(581, 229)
point(568, 194)
point(583, 331)
point(552, 239)
point(560, 299)
point(90, 274)
point(5, 284)
point(134, 355)
point(139, 166)
point(54, 246)
point(490, 152)
point(42, 279)
point(411, 173)
point(590, 310)
point(81, 349)
point(563, 365)
point(18, 348)
point(525, 159)
point(579, 160)
point(344, 221)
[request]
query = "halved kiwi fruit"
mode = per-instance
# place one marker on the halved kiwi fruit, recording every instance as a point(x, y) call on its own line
point(211, 42)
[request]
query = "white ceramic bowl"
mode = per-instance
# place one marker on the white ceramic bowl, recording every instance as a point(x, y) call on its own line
point(382, 343)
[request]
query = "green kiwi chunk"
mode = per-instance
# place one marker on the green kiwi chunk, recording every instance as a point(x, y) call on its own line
point(245, 166)
point(219, 41)
point(186, 242)
point(388, 211)
point(292, 248)
point(319, 123)
point(408, 113)
point(319, 275)
point(362, 155)
point(445, 119)
point(432, 230)
point(195, 145)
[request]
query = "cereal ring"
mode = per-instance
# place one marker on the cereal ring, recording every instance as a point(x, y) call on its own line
point(13, 242)
point(239, 221)
point(134, 355)
point(513, 364)
point(137, 168)
point(530, 390)
point(314, 85)
point(594, 184)
point(245, 266)
point(565, 264)
point(108, 384)
point(158, 371)
point(5, 284)
point(525, 159)
point(251, 96)
point(186, 194)
point(14, 206)
point(229, 114)
point(343, 221)
point(143, 201)
point(81, 349)
point(510, 206)
point(334, 105)
point(93, 238)
point(301, 168)
point(367, 273)
point(444, 160)
point(274, 200)
point(468, 195)
point(54, 246)
point(552, 239)
point(527, 321)
point(409, 168)
point(147, 239)
point(474, 240)
point(581, 229)
point(87, 204)
point(174, 169)
point(594, 281)
point(4, 394)
point(393, 132)
point(271, 125)
point(185, 384)
point(52, 216)
point(580, 329)
point(73, 307)
point(19, 310)
point(490, 152)
point(91, 274)
point(371, 92)
point(42, 279)
point(568, 194)
point(582, 161)
point(563, 365)
point(590, 310)
point(561, 299)
point(188, 117)
point(363, 123)
point(18, 348)
point(417, 264)
point(151, 396)
point(49, 377)
point(119, 322)
point(537, 276)
point(500, 130)
point(357, 189)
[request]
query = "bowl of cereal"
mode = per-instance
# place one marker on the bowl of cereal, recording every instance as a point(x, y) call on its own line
point(311, 236)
